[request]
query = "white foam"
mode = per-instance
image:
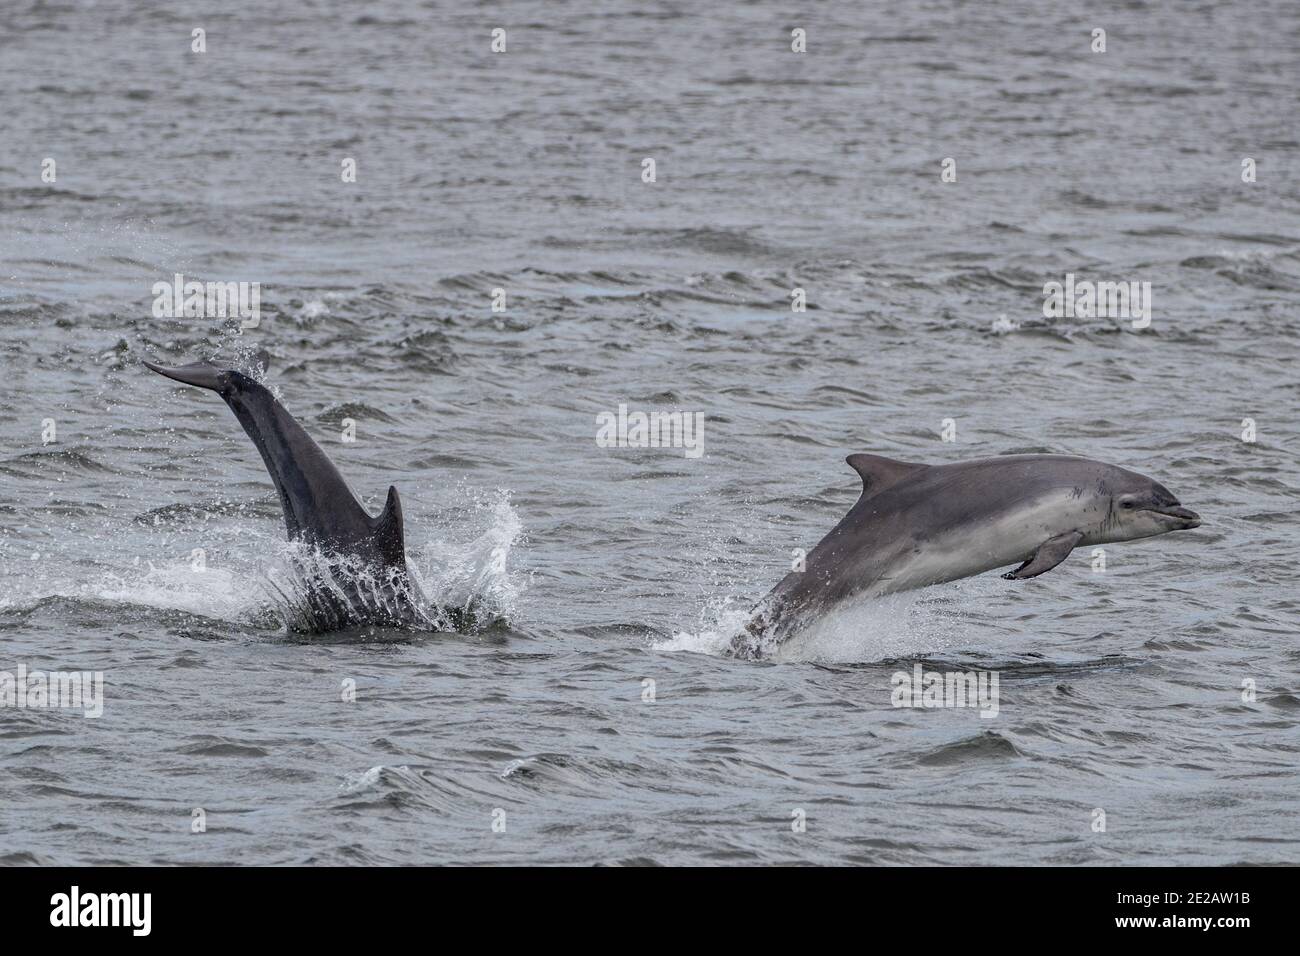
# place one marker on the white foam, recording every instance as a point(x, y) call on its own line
point(215, 592)
point(720, 622)
point(356, 782)
point(259, 577)
point(871, 629)
point(896, 625)
point(476, 571)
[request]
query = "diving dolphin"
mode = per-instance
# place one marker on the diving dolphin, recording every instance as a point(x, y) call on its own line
point(917, 525)
point(361, 576)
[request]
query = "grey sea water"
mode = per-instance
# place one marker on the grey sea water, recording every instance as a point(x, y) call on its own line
point(597, 720)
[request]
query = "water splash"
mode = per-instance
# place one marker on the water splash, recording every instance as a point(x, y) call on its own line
point(317, 592)
point(268, 583)
point(872, 629)
point(721, 620)
point(473, 577)
point(214, 592)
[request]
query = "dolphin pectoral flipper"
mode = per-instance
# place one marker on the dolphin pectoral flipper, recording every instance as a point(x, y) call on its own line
point(1049, 554)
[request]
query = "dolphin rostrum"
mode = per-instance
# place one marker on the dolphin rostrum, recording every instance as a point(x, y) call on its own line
point(359, 575)
point(917, 525)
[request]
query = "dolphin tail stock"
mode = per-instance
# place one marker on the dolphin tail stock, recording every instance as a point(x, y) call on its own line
point(768, 624)
point(353, 568)
point(783, 611)
point(319, 507)
point(748, 643)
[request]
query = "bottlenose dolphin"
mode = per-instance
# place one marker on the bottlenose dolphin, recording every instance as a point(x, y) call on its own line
point(917, 525)
point(353, 567)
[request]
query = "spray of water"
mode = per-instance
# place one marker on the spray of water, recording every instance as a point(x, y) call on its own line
point(465, 584)
point(465, 587)
point(897, 625)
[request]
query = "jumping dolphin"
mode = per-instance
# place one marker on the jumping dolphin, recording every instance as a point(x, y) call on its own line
point(917, 525)
point(360, 574)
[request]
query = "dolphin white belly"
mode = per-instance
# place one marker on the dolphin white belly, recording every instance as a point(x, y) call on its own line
point(1008, 537)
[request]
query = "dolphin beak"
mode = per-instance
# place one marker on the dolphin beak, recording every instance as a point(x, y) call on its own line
point(201, 374)
point(1188, 519)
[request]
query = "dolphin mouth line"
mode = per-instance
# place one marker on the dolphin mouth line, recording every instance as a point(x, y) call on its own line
point(1189, 518)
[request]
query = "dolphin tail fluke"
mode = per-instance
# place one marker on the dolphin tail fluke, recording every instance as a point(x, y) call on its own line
point(201, 374)
point(205, 374)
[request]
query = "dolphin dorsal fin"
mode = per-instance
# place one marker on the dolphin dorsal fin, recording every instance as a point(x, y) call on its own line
point(878, 472)
point(388, 529)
